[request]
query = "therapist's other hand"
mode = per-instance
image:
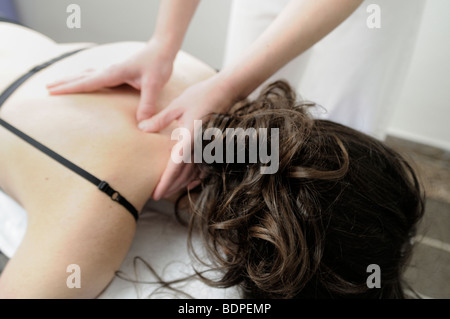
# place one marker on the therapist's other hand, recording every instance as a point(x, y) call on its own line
point(148, 70)
point(195, 103)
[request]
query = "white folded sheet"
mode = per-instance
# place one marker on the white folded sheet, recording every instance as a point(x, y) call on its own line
point(13, 224)
point(160, 240)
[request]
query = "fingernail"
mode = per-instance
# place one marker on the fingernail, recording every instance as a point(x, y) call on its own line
point(144, 116)
point(146, 125)
point(142, 126)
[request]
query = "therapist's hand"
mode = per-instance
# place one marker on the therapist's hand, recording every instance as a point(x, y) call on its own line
point(195, 103)
point(148, 70)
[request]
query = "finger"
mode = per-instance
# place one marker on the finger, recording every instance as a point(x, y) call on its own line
point(175, 177)
point(193, 184)
point(147, 104)
point(160, 120)
point(79, 85)
point(70, 78)
point(65, 81)
point(83, 85)
point(170, 172)
point(187, 177)
point(183, 180)
point(88, 83)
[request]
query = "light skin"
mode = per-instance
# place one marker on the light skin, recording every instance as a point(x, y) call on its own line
point(298, 27)
point(69, 220)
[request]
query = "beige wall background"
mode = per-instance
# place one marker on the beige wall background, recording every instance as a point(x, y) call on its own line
point(104, 21)
point(422, 113)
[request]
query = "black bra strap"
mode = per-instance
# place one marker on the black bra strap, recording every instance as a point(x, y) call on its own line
point(102, 185)
point(16, 84)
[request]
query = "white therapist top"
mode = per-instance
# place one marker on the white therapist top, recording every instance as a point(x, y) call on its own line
point(356, 72)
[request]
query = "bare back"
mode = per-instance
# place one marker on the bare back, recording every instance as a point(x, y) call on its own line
point(96, 131)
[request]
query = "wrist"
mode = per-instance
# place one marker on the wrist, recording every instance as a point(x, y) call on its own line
point(224, 89)
point(230, 87)
point(165, 47)
point(239, 82)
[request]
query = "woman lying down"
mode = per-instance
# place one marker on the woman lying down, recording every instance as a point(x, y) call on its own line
point(340, 210)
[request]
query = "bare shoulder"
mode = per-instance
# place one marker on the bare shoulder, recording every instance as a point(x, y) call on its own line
point(194, 68)
point(70, 221)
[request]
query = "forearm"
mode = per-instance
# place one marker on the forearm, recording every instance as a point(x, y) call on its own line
point(173, 20)
point(298, 27)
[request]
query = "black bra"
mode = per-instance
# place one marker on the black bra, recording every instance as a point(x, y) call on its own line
point(101, 185)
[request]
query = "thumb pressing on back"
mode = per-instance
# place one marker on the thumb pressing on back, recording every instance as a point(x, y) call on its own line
point(161, 120)
point(147, 103)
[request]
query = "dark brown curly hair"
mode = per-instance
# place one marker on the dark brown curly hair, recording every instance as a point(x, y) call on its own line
point(340, 201)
